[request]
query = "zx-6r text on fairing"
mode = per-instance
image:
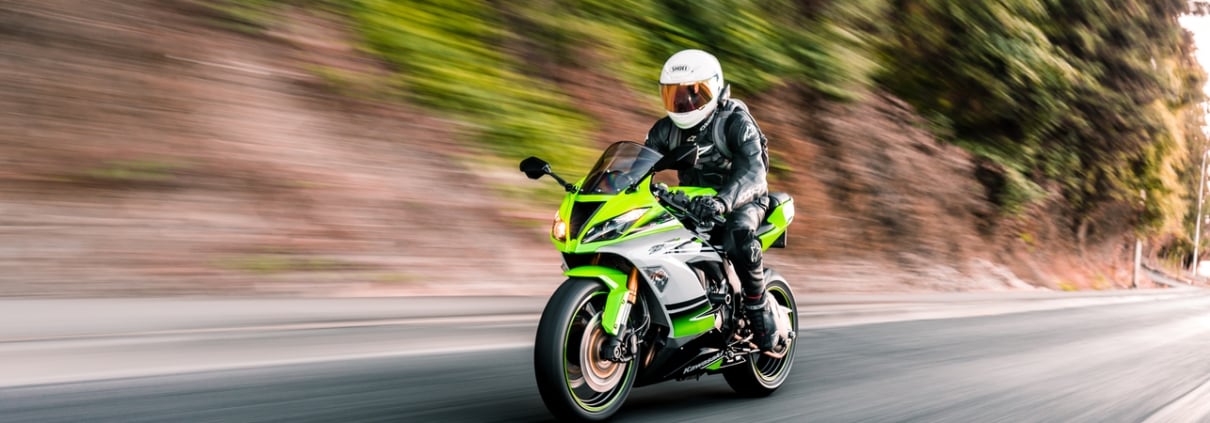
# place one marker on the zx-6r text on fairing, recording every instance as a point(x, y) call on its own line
point(649, 297)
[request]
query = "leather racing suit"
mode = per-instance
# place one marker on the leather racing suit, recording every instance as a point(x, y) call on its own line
point(739, 178)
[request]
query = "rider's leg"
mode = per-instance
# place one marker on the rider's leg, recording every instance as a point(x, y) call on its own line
point(744, 248)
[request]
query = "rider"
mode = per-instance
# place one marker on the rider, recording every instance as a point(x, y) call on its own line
point(733, 159)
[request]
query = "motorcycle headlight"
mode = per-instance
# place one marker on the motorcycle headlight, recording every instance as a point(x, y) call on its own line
point(558, 230)
point(613, 228)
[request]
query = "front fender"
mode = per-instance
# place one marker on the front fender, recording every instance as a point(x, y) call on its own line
point(615, 280)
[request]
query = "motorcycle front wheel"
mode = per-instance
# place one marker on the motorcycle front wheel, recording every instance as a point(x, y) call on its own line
point(575, 381)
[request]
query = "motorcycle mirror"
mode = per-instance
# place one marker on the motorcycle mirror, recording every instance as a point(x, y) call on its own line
point(534, 167)
point(682, 157)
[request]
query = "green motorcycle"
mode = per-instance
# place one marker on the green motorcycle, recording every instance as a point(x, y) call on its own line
point(649, 298)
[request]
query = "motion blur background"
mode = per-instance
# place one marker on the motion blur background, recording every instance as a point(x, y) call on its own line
point(369, 147)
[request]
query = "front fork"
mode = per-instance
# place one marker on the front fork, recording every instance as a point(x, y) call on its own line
point(623, 345)
point(623, 293)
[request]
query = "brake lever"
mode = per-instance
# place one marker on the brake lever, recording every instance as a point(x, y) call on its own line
point(669, 200)
point(674, 202)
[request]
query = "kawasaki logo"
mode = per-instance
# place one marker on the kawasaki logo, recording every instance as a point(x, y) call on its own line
point(703, 364)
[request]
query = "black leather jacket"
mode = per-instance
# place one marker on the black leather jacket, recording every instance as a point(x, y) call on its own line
point(738, 180)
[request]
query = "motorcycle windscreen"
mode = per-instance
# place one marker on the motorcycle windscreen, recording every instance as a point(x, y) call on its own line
point(622, 165)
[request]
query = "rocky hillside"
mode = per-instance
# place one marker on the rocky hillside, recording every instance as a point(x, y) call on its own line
point(190, 146)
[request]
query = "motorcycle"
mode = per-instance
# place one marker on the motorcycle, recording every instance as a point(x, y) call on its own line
point(648, 297)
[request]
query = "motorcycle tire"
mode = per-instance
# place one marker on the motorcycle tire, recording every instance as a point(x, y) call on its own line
point(762, 375)
point(575, 383)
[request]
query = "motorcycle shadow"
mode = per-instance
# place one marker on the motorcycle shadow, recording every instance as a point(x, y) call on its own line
point(675, 398)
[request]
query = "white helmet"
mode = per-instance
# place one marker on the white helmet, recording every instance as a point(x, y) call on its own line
point(689, 85)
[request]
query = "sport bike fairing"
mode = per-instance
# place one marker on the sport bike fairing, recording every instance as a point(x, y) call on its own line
point(666, 304)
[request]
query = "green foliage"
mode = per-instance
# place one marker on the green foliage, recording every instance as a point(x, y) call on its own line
point(1128, 122)
point(132, 172)
point(1098, 97)
point(1027, 238)
point(1019, 191)
point(247, 16)
point(348, 83)
point(398, 278)
point(447, 55)
point(464, 56)
point(254, 17)
point(987, 68)
point(266, 264)
point(761, 44)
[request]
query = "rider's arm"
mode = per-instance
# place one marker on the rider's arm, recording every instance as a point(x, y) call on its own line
point(658, 136)
point(747, 179)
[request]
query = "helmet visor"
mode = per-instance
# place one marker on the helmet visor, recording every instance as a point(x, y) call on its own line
point(687, 97)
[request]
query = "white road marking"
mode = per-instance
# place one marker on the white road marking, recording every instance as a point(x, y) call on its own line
point(493, 319)
point(81, 364)
point(823, 317)
point(211, 367)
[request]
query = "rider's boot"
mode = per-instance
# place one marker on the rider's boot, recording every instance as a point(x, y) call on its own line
point(763, 322)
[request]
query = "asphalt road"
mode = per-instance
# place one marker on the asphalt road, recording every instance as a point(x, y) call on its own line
point(1104, 358)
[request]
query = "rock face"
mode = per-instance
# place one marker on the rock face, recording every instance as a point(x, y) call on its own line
point(146, 150)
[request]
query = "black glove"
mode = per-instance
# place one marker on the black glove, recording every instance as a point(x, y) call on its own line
point(706, 208)
point(681, 199)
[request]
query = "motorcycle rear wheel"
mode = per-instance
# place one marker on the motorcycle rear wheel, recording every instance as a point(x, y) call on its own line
point(762, 375)
point(575, 382)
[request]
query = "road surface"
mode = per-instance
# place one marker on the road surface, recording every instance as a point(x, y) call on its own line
point(1033, 357)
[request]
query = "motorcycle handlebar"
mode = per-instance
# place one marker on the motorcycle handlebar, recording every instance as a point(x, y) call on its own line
point(682, 205)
